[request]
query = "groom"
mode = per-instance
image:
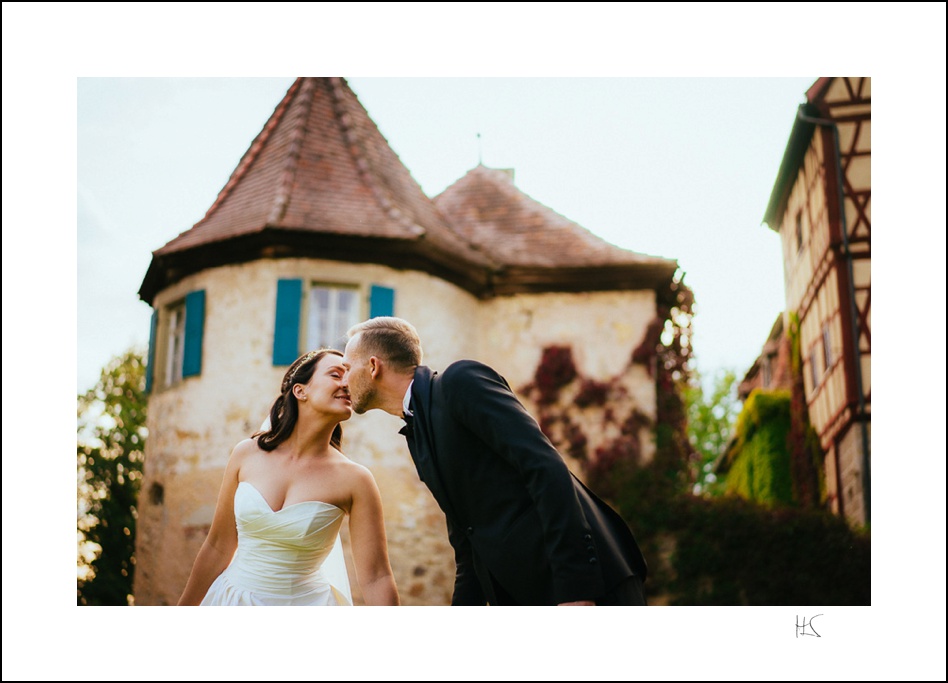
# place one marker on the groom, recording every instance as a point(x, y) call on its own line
point(525, 531)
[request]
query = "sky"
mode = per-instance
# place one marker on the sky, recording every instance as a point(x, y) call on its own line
point(675, 167)
point(96, 176)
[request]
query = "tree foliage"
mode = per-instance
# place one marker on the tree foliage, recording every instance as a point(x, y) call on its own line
point(110, 452)
point(711, 419)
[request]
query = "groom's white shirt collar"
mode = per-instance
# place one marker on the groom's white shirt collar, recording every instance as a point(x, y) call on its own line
point(406, 400)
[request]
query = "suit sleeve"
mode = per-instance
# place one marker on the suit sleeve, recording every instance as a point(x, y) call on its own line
point(467, 587)
point(483, 402)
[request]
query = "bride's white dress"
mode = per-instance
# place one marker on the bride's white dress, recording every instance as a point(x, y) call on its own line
point(292, 556)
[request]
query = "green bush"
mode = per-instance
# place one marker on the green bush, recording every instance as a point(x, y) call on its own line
point(760, 460)
point(734, 552)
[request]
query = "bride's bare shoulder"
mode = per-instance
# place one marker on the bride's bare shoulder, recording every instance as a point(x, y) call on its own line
point(245, 449)
point(359, 474)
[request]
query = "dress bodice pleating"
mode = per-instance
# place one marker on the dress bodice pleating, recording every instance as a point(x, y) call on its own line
point(291, 556)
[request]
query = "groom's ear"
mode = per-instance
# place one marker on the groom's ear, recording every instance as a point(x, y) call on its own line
point(375, 367)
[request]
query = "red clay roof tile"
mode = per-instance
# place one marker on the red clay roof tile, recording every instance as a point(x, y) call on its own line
point(321, 169)
point(487, 209)
point(321, 165)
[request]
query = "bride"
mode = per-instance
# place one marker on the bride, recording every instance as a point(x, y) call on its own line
point(275, 539)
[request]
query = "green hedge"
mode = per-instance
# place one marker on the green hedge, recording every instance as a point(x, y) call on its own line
point(733, 552)
point(729, 551)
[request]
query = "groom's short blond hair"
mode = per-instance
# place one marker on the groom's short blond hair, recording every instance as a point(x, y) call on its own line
point(391, 339)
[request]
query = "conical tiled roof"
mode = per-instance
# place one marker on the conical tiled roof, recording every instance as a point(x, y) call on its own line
point(321, 181)
point(319, 168)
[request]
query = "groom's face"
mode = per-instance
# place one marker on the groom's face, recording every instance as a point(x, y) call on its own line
point(362, 390)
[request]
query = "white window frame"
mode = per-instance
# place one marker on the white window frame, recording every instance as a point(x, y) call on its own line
point(827, 348)
point(331, 309)
point(174, 344)
point(798, 232)
point(814, 372)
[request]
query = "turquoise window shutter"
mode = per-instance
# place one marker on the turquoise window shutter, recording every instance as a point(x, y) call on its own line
point(150, 367)
point(381, 301)
point(286, 328)
point(193, 333)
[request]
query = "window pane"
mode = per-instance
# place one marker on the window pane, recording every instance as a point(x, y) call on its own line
point(312, 322)
point(348, 314)
point(323, 297)
point(325, 316)
point(175, 357)
point(333, 310)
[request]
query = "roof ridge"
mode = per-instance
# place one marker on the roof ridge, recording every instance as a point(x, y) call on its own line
point(246, 161)
point(363, 165)
point(298, 132)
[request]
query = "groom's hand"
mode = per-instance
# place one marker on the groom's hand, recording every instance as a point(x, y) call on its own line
point(578, 603)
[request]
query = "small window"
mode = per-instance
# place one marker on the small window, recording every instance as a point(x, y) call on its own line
point(332, 310)
point(174, 362)
point(798, 230)
point(156, 494)
point(178, 334)
point(827, 348)
point(318, 315)
point(814, 373)
point(767, 371)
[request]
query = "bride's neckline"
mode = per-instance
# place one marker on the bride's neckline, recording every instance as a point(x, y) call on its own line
point(302, 502)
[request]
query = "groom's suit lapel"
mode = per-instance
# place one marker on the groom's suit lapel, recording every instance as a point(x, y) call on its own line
point(421, 440)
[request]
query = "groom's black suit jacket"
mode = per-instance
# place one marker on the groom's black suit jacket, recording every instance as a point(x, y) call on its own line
point(516, 516)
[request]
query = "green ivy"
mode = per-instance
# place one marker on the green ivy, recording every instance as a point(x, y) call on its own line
point(759, 460)
point(806, 454)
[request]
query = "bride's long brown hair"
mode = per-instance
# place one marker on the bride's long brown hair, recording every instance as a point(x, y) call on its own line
point(286, 411)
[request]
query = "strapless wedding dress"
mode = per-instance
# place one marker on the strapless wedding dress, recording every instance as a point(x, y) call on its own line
point(289, 557)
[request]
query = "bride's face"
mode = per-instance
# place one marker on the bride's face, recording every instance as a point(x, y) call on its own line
point(326, 391)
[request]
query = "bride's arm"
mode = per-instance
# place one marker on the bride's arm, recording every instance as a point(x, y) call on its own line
point(221, 542)
point(369, 546)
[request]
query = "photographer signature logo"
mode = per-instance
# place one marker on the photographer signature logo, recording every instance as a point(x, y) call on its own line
point(803, 625)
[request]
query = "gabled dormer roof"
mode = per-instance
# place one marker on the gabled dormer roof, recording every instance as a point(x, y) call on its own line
point(535, 243)
point(319, 174)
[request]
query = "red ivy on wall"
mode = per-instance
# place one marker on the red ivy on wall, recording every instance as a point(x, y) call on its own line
point(556, 370)
point(608, 467)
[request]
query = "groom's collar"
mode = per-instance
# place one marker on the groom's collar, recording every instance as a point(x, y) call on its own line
point(407, 400)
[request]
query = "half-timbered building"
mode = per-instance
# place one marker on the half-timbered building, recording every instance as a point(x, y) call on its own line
point(821, 207)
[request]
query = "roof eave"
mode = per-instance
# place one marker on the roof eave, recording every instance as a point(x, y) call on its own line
point(797, 144)
point(403, 254)
point(592, 278)
point(482, 280)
